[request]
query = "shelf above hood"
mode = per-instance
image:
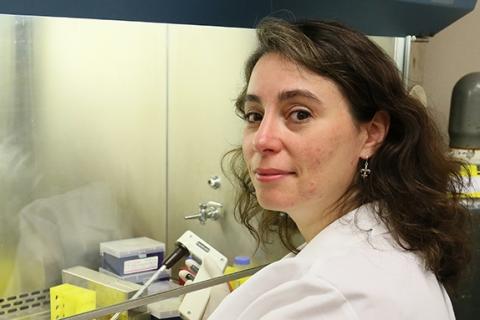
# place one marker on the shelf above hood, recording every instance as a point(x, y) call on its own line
point(373, 17)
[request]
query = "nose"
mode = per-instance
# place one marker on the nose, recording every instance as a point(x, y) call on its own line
point(268, 136)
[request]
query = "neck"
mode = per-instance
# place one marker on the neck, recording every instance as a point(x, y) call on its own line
point(309, 229)
point(311, 222)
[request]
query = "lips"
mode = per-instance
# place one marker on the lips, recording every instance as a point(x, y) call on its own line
point(271, 174)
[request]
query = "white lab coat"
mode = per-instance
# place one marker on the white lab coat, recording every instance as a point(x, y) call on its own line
point(352, 269)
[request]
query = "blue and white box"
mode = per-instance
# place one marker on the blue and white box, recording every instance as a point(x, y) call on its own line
point(140, 277)
point(134, 255)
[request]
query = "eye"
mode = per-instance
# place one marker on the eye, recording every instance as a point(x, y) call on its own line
point(253, 117)
point(300, 115)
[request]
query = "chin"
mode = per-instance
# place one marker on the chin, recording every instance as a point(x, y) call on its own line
point(274, 203)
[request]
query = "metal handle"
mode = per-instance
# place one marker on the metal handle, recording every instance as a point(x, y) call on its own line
point(193, 216)
point(210, 210)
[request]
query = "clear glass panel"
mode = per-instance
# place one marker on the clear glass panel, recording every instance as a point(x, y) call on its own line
point(83, 144)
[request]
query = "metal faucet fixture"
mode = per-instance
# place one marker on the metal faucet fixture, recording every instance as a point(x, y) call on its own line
point(215, 182)
point(210, 210)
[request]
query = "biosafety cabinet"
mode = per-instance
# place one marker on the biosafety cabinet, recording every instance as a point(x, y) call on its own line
point(114, 117)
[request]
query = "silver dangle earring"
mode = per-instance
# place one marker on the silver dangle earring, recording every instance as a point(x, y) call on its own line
point(365, 171)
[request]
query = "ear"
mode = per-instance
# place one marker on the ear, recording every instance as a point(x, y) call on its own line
point(377, 130)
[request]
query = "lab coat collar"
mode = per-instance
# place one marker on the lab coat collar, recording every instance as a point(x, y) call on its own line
point(357, 225)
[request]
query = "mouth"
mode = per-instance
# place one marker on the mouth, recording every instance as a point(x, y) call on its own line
point(271, 174)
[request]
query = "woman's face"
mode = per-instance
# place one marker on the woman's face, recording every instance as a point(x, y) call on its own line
point(300, 142)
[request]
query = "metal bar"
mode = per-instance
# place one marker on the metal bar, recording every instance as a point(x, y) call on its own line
point(399, 54)
point(406, 61)
point(130, 304)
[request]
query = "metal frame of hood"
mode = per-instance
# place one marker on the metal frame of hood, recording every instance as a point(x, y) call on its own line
point(374, 17)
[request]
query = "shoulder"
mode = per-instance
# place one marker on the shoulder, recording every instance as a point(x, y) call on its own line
point(284, 290)
point(352, 270)
point(377, 278)
point(354, 283)
point(358, 256)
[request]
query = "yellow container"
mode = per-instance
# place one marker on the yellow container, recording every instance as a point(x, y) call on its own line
point(240, 263)
point(109, 289)
point(68, 300)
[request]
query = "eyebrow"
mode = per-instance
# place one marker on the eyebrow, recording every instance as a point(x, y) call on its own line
point(285, 95)
point(252, 98)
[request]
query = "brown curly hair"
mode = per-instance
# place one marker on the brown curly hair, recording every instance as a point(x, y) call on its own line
point(415, 183)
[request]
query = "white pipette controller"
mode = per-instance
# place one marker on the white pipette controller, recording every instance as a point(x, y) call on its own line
point(194, 303)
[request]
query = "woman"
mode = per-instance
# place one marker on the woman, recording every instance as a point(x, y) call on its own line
point(336, 149)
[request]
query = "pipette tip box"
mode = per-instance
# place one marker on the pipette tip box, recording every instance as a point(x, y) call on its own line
point(130, 256)
point(140, 277)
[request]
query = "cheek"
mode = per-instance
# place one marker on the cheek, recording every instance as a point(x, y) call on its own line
point(246, 147)
point(323, 161)
point(247, 151)
point(311, 188)
point(321, 155)
point(315, 160)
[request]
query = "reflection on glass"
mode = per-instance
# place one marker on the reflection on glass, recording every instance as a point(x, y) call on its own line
point(82, 144)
